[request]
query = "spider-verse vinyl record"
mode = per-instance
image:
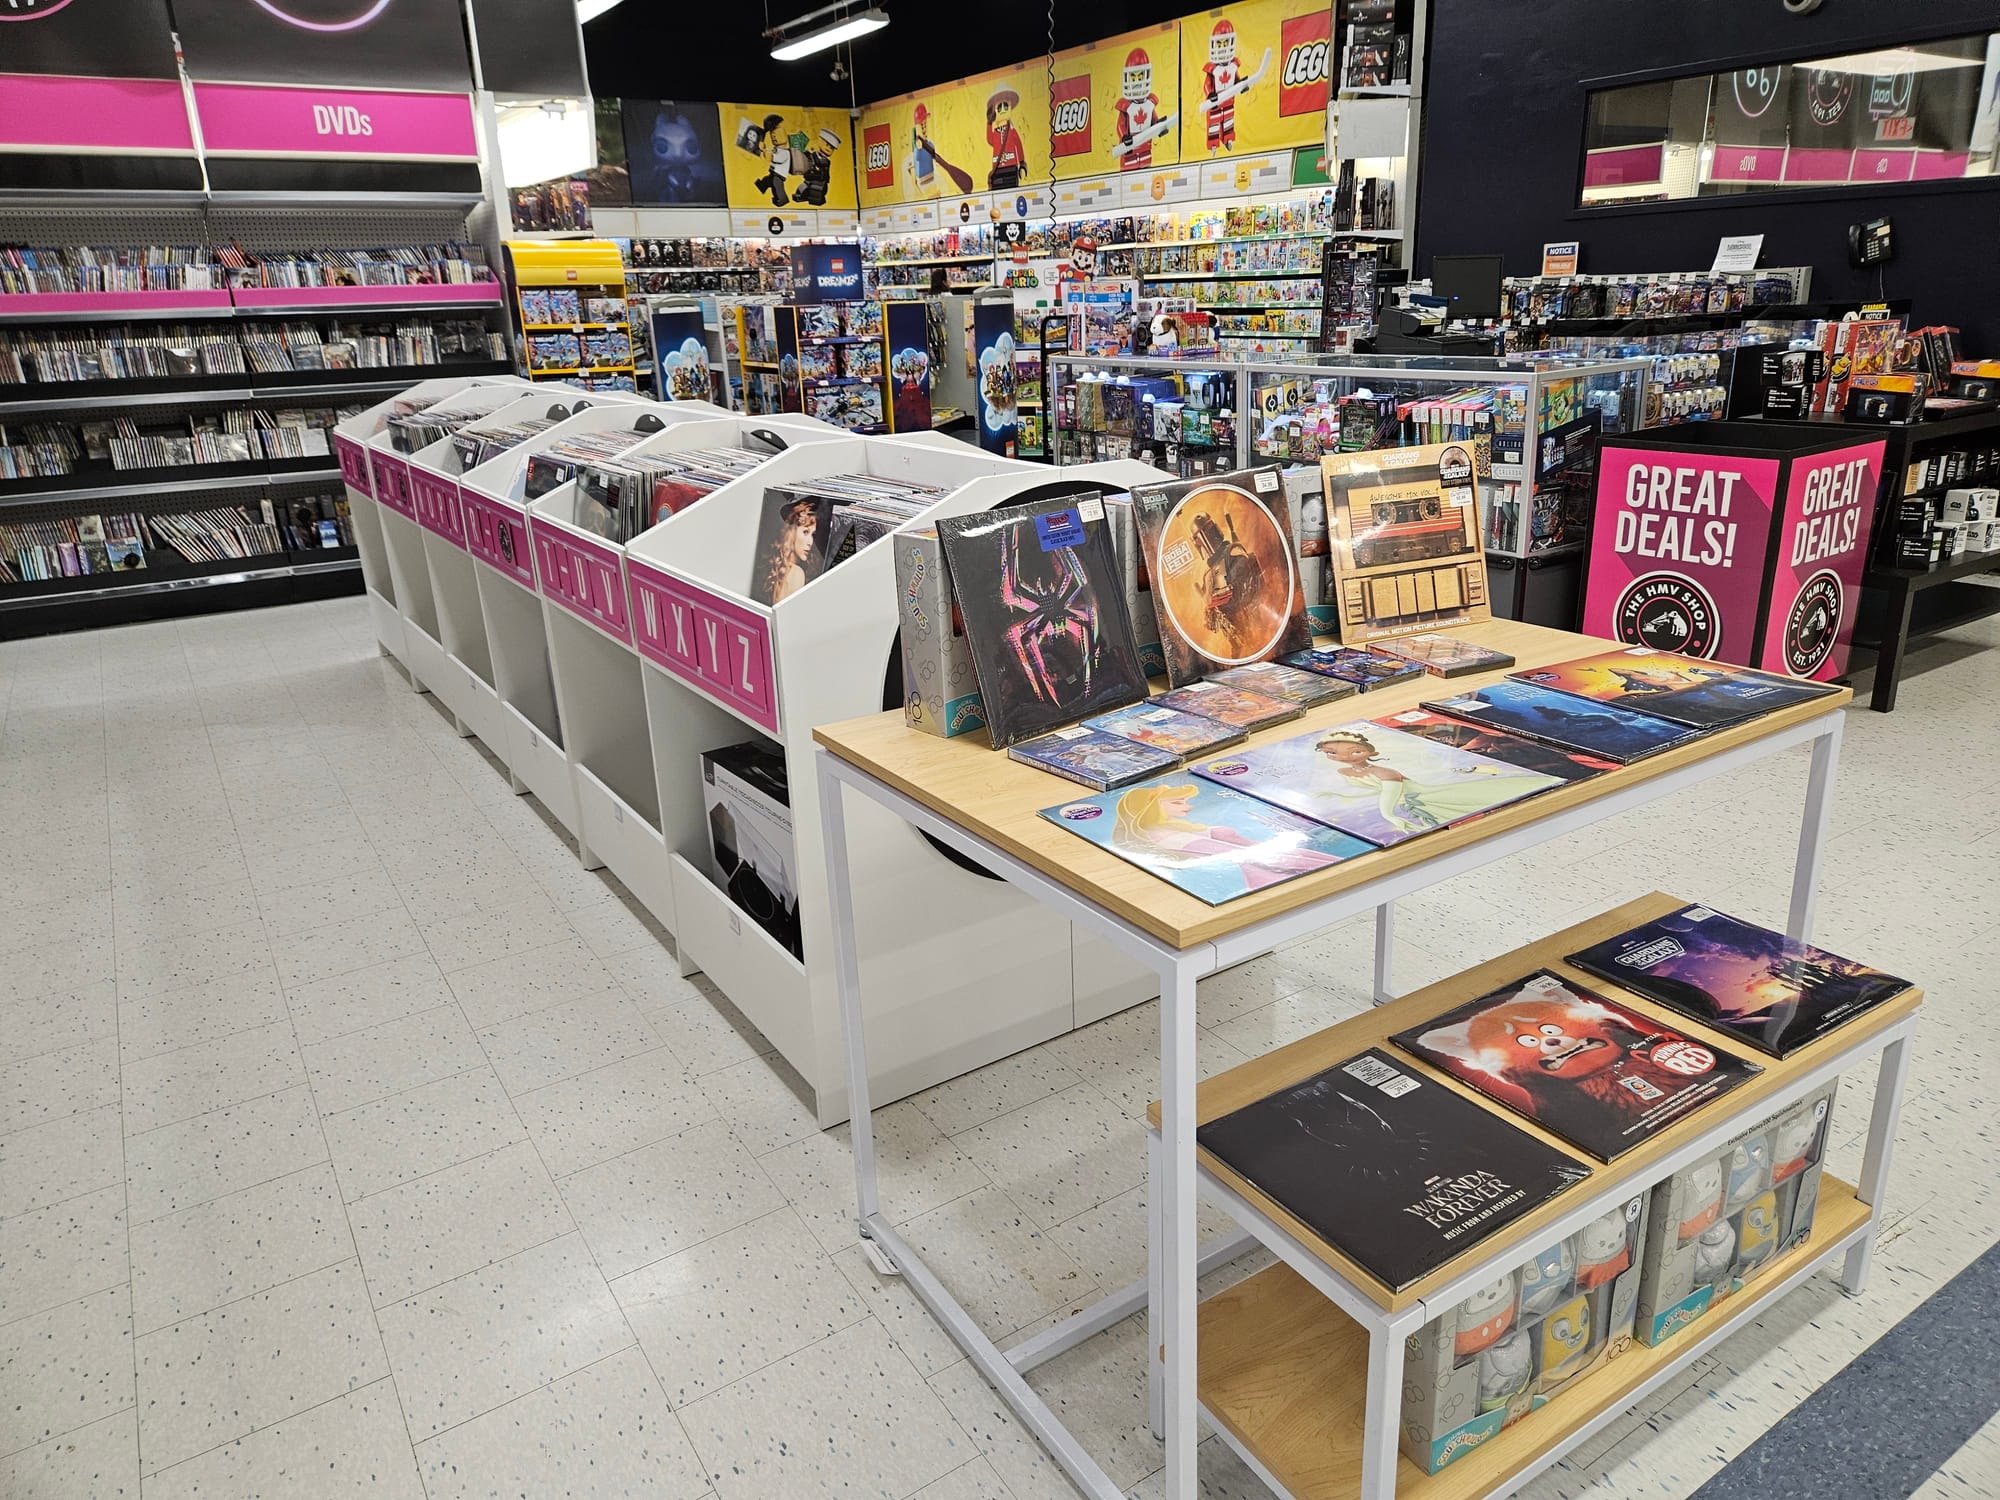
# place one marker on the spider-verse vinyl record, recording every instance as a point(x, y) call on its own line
point(1601, 1076)
point(1224, 570)
point(1393, 1170)
point(1044, 610)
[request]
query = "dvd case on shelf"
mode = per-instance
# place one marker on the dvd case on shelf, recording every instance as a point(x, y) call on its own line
point(1180, 734)
point(1600, 729)
point(1093, 757)
point(1289, 683)
point(1442, 655)
point(1243, 710)
point(1363, 671)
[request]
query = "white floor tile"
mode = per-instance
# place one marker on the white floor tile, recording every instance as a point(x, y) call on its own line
point(250, 1241)
point(63, 1159)
point(58, 1254)
point(212, 1155)
point(99, 1461)
point(479, 1342)
point(57, 1085)
point(437, 1228)
point(560, 1041)
point(65, 1368)
point(364, 997)
point(364, 1066)
point(421, 1131)
point(352, 1445)
point(734, 1304)
point(212, 1378)
point(192, 1080)
point(849, 1416)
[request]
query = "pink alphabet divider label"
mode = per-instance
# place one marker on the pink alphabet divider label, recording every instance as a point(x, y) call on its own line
point(245, 119)
point(1621, 166)
point(583, 576)
point(1824, 532)
point(1746, 164)
point(1940, 166)
point(353, 463)
point(497, 534)
point(392, 482)
point(1677, 550)
point(703, 639)
point(437, 505)
point(101, 116)
point(1873, 165)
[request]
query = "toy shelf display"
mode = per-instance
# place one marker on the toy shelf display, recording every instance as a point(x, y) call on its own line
point(571, 312)
point(861, 366)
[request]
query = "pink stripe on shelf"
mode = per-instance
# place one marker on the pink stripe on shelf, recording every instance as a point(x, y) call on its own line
point(1623, 166)
point(93, 114)
point(1747, 164)
point(239, 119)
point(1809, 164)
point(1874, 165)
point(1938, 166)
point(84, 302)
point(339, 296)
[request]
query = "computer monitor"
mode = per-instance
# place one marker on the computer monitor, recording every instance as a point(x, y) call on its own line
point(1468, 284)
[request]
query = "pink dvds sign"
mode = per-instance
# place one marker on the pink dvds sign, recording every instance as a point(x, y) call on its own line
point(583, 575)
point(1824, 533)
point(1624, 166)
point(705, 640)
point(144, 116)
point(1678, 550)
point(1746, 164)
point(1872, 164)
point(246, 119)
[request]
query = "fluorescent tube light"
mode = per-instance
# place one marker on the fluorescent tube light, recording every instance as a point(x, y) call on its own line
point(1892, 60)
point(830, 35)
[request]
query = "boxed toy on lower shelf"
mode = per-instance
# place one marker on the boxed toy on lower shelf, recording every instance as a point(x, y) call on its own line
point(1519, 1341)
point(1720, 1223)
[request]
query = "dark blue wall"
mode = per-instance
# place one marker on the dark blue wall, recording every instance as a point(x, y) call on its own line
point(1503, 129)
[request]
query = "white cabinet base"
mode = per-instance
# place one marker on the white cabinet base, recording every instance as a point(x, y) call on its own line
point(541, 766)
point(630, 847)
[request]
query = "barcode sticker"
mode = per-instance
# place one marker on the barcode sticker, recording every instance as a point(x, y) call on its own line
point(1074, 732)
point(1267, 481)
point(1090, 510)
point(1398, 1086)
point(1371, 1070)
point(1698, 913)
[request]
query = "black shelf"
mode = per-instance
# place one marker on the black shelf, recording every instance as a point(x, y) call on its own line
point(100, 483)
point(213, 389)
point(183, 588)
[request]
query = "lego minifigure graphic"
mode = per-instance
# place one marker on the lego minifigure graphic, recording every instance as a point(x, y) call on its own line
point(924, 156)
point(1545, 1280)
point(1714, 1253)
point(1601, 1250)
point(1139, 122)
point(1505, 1370)
point(1218, 84)
point(1565, 1337)
point(1759, 1235)
point(1484, 1316)
point(1010, 157)
point(1704, 1199)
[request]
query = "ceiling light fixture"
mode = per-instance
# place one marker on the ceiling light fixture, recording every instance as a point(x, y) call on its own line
point(845, 24)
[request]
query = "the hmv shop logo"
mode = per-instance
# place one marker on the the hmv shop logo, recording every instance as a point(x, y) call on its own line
point(341, 120)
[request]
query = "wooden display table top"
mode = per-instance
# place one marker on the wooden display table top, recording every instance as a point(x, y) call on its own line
point(998, 799)
point(1231, 1091)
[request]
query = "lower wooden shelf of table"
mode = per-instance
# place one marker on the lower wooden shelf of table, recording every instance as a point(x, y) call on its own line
point(1285, 1374)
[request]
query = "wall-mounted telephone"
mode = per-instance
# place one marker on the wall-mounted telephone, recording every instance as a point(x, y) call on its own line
point(1870, 244)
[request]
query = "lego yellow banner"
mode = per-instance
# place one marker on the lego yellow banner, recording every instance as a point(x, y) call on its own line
point(1254, 78)
point(975, 136)
point(779, 156)
point(1115, 105)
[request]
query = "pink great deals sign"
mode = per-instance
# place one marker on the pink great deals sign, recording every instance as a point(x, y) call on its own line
point(1678, 550)
point(1822, 549)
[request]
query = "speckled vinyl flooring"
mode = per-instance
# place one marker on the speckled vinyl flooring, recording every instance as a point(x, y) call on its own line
point(308, 1189)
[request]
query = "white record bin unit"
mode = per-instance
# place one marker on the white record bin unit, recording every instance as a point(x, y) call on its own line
point(464, 683)
point(600, 696)
point(351, 446)
point(493, 505)
point(959, 969)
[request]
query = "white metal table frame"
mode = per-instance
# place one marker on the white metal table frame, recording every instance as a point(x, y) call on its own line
point(1175, 1262)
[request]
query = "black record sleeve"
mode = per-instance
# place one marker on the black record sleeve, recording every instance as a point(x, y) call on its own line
point(1394, 1170)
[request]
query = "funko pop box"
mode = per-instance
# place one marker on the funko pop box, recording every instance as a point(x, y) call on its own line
point(940, 690)
point(1518, 1342)
point(1717, 1225)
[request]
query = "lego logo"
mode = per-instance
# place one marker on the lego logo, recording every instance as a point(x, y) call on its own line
point(878, 156)
point(1305, 64)
point(1072, 116)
